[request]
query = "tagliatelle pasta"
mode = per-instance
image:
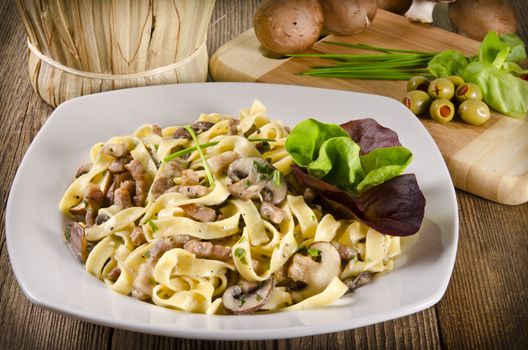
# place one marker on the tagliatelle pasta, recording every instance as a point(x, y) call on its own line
point(225, 231)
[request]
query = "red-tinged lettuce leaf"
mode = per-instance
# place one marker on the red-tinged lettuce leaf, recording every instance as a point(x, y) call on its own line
point(369, 135)
point(395, 207)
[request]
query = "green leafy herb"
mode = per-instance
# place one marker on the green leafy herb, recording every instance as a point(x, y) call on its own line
point(152, 225)
point(67, 233)
point(241, 254)
point(242, 300)
point(259, 297)
point(394, 64)
point(277, 178)
point(147, 254)
point(494, 69)
point(156, 147)
point(328, 152)
point(314, 253)
point(448, 62)
point(152, 280)
point(199, 149)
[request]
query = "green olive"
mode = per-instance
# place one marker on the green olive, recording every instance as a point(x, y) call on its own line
point(468, 91)
point(418, 83)
point(474, 112)
point(417, 101)
point(441, 88)
point(442, 110)
point(456, 80)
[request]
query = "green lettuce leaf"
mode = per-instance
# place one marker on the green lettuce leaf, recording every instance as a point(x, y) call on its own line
point(307, 137)
point(383, 164)
point(501, 90)
point(338, 163)
point(448, 62)
point(493, 45)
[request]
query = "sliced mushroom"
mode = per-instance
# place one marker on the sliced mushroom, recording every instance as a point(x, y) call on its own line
point(118, 165)
point(79, 209)
point(84, 169)
point(239, 302)
point(201, 126)
point(345, 252)
point(255, 176)
point(272, 213)
point(75, 237)
point(358, 281)
point(314, 270)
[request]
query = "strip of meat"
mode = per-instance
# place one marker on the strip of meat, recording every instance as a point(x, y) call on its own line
point(118, 165)
point(84, 169)
point(123, 195)
point(137, 236)
point(207, 250)
point(189, 177)
point(118, 179)
point(94, 199)
point(199, 212)
point(165, 178)
point(115, 149)
point(193, 191)
point(272, 213)
point(142, 183)
point(218, 164)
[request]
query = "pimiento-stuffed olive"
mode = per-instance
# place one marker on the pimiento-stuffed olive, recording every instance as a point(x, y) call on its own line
point(441, 88)
point(456, 80)
point(474, 112)
point(417, 101)
point(442, 110)
point(468, 91)
point(418, 83)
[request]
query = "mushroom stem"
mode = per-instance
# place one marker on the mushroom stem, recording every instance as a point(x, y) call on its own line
point(422, 10)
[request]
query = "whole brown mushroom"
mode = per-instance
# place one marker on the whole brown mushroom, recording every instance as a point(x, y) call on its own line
point(347, 17)
point(475, 18)
point(288, 26)
point(396, 6)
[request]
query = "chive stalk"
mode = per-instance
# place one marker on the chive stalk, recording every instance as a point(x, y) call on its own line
point(199, 149)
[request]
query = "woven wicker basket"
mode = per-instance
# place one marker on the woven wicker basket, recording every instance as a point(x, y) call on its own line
point(79, 47)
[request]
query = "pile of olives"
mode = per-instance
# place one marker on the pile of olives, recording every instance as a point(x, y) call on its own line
point(437, 95)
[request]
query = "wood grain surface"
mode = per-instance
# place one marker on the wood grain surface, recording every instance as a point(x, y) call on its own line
point(481, 159)
point(484, 306)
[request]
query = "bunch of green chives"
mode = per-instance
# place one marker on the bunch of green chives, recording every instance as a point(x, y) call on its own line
point(393, 64)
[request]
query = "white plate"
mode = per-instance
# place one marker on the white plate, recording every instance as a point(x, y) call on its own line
point(50, 276)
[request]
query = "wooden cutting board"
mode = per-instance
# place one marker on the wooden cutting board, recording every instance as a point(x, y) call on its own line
point(490, 161)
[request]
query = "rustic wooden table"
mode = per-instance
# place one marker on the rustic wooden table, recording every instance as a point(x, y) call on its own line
point(484, 307)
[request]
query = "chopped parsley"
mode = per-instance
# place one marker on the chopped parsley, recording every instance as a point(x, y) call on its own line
point(156, 147)
point(242, 300)
point(259, 297)
point(241, 254)
point(314, 253)
point(152, 280)
point(152, 225)
point(147, 254)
